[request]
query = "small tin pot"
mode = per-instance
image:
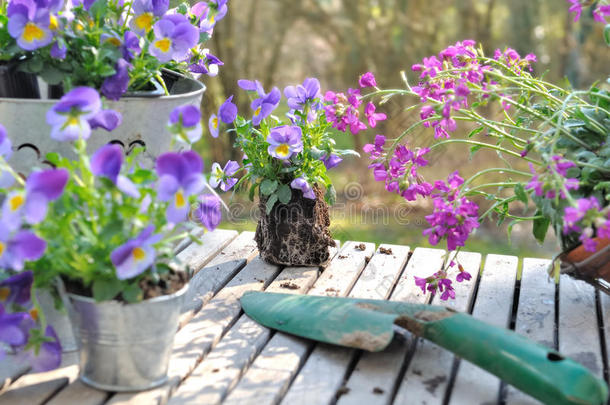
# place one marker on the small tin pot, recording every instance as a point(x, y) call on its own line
point(125, 347)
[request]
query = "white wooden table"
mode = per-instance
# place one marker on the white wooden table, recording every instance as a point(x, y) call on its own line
point(221, 356)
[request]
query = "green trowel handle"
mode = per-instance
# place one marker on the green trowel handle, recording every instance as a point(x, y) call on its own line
point(532, 368)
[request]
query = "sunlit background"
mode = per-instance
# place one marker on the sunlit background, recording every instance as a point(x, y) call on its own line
point(281, 42)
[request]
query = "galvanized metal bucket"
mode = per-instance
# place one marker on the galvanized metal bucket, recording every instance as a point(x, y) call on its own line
point(125, 347)
point(144, 124)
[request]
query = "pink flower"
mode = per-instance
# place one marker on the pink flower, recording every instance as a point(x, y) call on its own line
point(372, 116)
point(367, 80)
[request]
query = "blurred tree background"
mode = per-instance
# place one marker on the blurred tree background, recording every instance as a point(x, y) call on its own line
point(281, 42)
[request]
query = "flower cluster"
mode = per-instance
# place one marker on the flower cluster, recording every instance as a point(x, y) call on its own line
point(561, 134)
point(281, 158)
point(25, 204)
point(587, 219)
point(399, 170)
point(111, 46)
point(440, 283)
point(22, 329)
point(600, 12)
point(454, 217)
point(115, 222)
point(447, 80)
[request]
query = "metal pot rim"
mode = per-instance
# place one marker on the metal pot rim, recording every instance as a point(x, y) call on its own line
point(200, 90)
point(162, 298)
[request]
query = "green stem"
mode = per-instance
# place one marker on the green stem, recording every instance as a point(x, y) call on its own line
point(486, 145)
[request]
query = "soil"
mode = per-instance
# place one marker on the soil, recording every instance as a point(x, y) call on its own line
point(295, 234)
point(171, 282)
point(289, 285)
point(361, 247)
point(385, 251)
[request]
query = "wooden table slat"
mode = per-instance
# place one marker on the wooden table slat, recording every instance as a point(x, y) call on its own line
point(578, 312)
point(427, 376)
point(375, 374)
point(213, 379)
point(535, 315)
point(270, 375)
point(36, 388)
point(493, 305)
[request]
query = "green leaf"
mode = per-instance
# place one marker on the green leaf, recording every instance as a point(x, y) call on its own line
point(284, 193)
point(98, 9)
point(268, 186)
point(475, 131)
point(132, 293)
point(474, 149)
point(540, 227)
point(607, 34)
point(331, 195)
point(520, 193)
point(252, 191)
point(104, 290)
point(271, 202)
point(52, 75)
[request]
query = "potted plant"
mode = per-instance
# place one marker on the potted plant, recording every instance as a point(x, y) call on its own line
point(554, 142)
point(286, 161)
point(110, 230)
point(139, 54)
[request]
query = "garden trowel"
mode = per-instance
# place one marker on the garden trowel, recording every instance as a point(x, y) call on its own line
point(370, 325)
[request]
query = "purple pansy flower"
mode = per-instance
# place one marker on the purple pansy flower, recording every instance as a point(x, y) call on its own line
point(116, 85)
point(107, 162)
point(17, 288)
point(213, 125)
point(6, 148)
point(41, 187)
point(186, 121)
point(203, 62)
point(208, 212)
point(59, 50)
point(11, 330)
point(264, 105)
point(228, 111)
point(331, 160)
point(135, 256)
point(145, 12)
point(29, 24)
point(223, 176)
point(17, 247)
point(131, 45)
point(284, 141)
point(299, 96)
point(301, 184)
point(174, 36)
point(77, 112)
point(179, 177)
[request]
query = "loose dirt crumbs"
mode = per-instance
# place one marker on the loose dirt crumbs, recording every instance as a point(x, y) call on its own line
point(331, 291)
point(342, 391)
point(215, 370)
point(289, 285)
point(385, 251)
point(342, 257)
point(361, 247)
point(378, 391)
